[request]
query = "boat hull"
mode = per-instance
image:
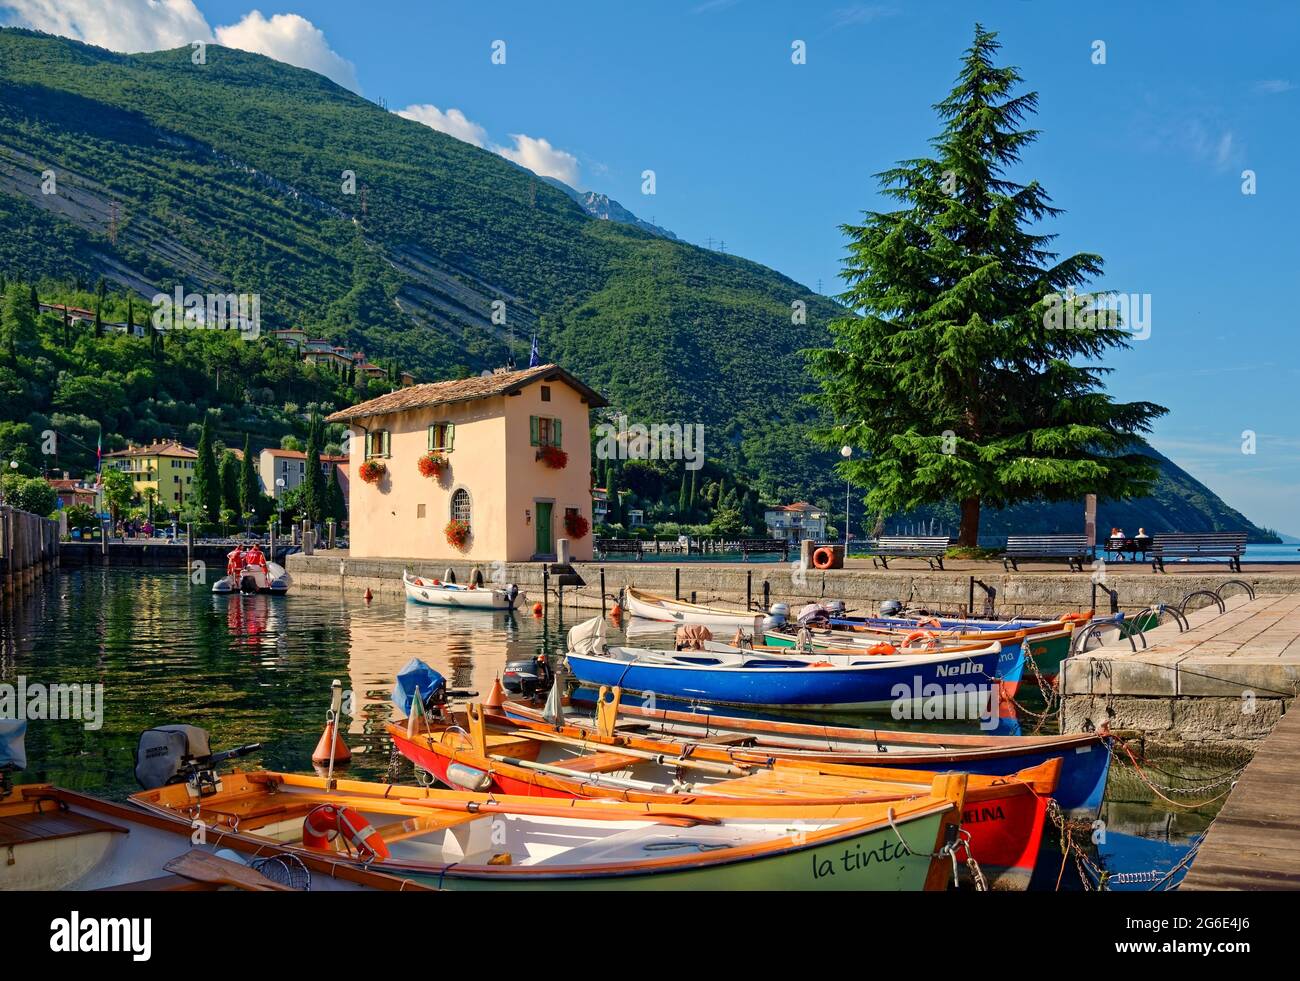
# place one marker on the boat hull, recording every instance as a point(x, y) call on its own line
point(465, 598)
point(650, 606)
point(275, 581)
point(910, 686)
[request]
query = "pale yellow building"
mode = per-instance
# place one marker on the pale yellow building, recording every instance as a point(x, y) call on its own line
point(493, 432)
point(164, 470)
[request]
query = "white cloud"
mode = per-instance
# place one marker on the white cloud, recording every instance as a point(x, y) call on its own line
point(155, 25)
point(540, 157)
point(453, 122)
point(533, 152)
point(1274, 86)
point(123, 25)
point(291, 39)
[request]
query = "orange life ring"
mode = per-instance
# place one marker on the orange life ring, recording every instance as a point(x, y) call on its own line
point(924, 636)
point(930, 622)
point(882, 649)
point(823, 558)
point(323, 824)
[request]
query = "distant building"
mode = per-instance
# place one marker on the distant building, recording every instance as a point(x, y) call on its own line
point(274, 464)
point(74, 492)
point(318, 351)
point(165, 469)
point(496, 433)
point(795, 522)
point(599, 505)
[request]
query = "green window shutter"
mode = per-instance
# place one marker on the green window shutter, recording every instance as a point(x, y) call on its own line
point(433, 436)
point(450, 439)
point(386, 443)
point(555, 431)
point(532, 422)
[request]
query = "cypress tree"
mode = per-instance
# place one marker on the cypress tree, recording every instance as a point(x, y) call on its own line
point(314, 493)
point(683, 497)
point(205, 492)
point(948, 376)
point(338, 505)
point(230, 483)
point(249, 491)
point(100, 289)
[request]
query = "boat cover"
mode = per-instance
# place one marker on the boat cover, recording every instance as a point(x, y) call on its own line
point(691, 636)
point(12, 750)
point(416, 674)
point(588, 637)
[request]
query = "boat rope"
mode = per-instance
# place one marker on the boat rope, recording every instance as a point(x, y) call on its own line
point(949, 850)
point(1137, 767)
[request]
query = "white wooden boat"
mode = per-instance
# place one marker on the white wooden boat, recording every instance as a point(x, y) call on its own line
point(432, 592)
point(56, 839)
point(651, 606)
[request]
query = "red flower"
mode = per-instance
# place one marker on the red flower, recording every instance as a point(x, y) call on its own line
point(432, 465)
point(457, 533)
point(553, 457)
point(576, 525)
point(372, 471)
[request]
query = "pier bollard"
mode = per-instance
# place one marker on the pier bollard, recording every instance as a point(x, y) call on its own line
point(307, 536)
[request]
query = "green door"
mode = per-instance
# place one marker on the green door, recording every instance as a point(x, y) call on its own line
point(545, 544)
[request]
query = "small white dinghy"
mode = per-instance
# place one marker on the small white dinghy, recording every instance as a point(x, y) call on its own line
point(434, 592)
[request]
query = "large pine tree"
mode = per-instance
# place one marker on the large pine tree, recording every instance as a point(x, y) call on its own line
point(947, 378)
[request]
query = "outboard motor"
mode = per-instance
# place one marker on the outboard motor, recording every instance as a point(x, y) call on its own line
point(528, 677)
point(417, 676)
point(835, 608)
point(891, 608)
point(511, 592)
point(778, 614)
point(182, 754)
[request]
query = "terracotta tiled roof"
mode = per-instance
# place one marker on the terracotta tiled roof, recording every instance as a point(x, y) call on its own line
point(464, 390)
point(300, 455)
point(167, 447)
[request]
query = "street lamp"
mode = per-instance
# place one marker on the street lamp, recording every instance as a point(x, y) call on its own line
point(846, 452)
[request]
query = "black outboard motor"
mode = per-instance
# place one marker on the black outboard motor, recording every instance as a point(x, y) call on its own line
point(528, 677)
point(891, 608)
point(182, 754)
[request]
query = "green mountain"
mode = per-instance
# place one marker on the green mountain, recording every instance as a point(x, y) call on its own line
point(230, 177)
point(244, 175)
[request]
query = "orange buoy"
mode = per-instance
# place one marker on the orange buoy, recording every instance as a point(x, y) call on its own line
point(326, 822)
point(341, 752)
point(537, 609)
point(497, 696)
point(369, 595)
point(617, 612)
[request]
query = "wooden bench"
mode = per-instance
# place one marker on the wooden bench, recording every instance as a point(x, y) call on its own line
point(929, 547)
point(1230, 545)
point(619, 546)
point(1073, 548)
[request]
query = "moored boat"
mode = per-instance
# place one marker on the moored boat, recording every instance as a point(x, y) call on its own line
point(268, 577)
point(434, 592)
point(651, 606)
point(458, 840)
point(948, 684)
point(1004, 816)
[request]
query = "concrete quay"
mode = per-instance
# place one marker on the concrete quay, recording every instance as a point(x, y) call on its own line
point(1037, 590)
point(1223, 683)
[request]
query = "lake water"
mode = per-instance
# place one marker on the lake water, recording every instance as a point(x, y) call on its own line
point(258, 669)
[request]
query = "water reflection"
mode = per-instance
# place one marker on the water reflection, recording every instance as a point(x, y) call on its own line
point(258, 669)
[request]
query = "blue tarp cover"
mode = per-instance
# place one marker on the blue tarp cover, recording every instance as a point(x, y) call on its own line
point(416, 674)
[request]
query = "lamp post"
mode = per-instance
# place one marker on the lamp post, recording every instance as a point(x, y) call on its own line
point(846, 452)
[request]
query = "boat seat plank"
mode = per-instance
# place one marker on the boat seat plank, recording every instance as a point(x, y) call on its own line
point(205, 867)
point(163, 883)
point(599, 762)
point(23, 829)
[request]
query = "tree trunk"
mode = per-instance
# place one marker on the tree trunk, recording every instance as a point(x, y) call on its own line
point(969, 535)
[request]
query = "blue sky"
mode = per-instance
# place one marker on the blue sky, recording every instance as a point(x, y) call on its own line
point(1145, 152)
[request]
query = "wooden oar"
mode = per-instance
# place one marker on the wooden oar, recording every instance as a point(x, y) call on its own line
point(592, 813)
point(720, 769)
point(625, 783)
point(201, 866)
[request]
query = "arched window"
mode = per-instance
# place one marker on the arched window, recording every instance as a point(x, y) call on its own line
point(460, 505)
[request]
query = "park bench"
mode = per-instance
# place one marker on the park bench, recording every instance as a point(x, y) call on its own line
point(619, 546)
point(1073, 548)
point(1230, 545)
point(762, 546)
point(929, 547)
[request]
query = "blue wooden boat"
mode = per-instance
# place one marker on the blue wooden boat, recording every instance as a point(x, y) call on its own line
point(959, 683)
